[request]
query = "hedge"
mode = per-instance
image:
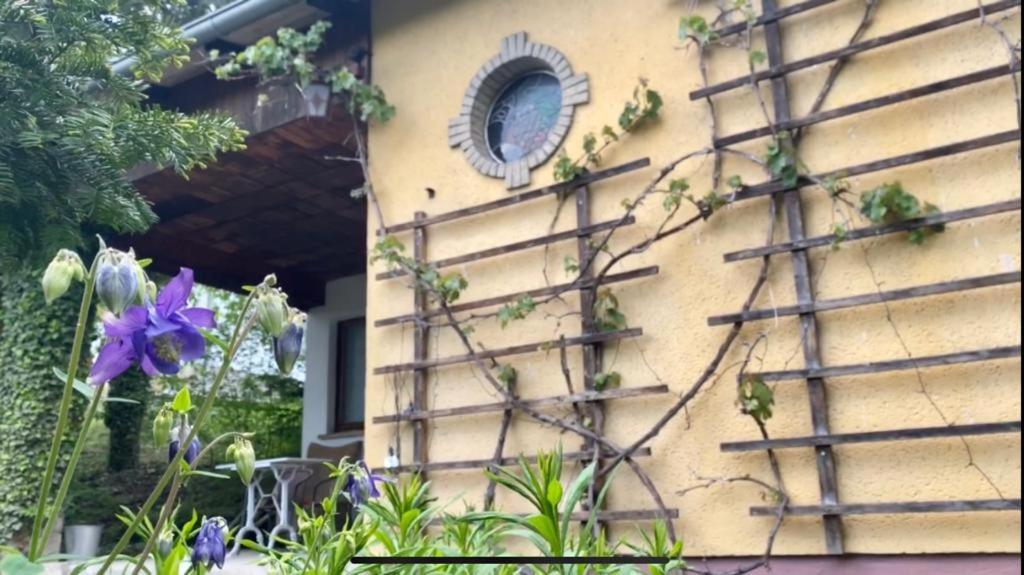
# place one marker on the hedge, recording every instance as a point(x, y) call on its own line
point(34, 337)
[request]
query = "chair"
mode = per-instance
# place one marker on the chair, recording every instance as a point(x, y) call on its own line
point(318, 485)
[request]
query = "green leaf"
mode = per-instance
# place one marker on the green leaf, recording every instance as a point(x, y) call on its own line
point(182, 401)
point(408, 518)
point(570, 265)
point(610, 380)
point(214, 339)
point(545, 528)
point(576, 491)
point(554, 493)
point(756, 398)
point(757, 57)
point(18, 564)
point(209, 474)
point(87, 390)
point(507, 375)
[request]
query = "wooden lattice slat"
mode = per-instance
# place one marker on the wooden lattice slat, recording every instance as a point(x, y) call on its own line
point(816, 391)
point(763, 19)
point(514, 296)
point(582, 232)
point(505, 461)
point(873, 104)
point(511, 350)
point(778, 70)
point(521, 198)
point(991, 140)
point(620, 393)
point(961, 357)
point(958, 506)
point(870, 298)
point(875, 231)
point(875, 436)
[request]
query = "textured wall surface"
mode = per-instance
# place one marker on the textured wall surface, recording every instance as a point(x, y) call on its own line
point(425, 54)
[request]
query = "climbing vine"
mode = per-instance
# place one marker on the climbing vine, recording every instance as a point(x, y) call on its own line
point(34, 337)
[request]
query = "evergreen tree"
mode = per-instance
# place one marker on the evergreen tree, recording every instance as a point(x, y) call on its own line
point(70, 127)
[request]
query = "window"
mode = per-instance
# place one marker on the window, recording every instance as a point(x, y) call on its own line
point(350, 375)
point(523, 116)
point(517, 110)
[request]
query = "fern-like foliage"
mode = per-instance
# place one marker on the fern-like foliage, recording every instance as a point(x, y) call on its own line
point(70, 128)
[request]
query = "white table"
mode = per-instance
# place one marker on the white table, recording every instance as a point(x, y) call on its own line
point(287, 472)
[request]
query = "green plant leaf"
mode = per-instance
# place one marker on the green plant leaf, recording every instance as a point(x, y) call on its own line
point(554, 494)
point(576, 491)
point(182, 401)
point(209, 474)
point(18, 564)
point(545, 528)
point(87, 390)
point(214, 339)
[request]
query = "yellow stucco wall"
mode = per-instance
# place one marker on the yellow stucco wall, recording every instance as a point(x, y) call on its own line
point(424, 55)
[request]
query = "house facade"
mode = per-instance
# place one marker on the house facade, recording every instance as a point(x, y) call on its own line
point(890, 350)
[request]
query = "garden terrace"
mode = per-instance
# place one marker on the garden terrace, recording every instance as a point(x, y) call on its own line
point(239, 218)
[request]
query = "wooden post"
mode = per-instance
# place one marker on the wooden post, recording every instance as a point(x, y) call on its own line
point(592, 353)
point(816, 391)
point(420, 335)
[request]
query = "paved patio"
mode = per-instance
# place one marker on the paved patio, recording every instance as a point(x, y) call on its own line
point(242, 564)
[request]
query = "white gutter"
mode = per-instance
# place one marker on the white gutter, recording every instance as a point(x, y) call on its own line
point(220, 23)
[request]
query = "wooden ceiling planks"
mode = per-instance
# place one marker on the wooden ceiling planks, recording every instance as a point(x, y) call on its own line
point(279, 206)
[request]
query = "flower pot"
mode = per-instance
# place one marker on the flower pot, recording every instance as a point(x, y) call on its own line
point(82, 540)
point(317, 97)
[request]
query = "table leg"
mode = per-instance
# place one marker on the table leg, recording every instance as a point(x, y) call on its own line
point(252, 499)
point(285, 477)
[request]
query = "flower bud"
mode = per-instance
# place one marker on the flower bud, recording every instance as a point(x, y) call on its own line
point(288, 346)
point(162, 426)
point(165, 543)
point(191, 453)
point(242, 453)
point(117, 282)
point(272, 311)
point(63, 268)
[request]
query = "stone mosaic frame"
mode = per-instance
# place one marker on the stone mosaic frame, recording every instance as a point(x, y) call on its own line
point(517, 57)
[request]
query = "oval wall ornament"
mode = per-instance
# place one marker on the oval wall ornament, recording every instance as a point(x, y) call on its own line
point(517, 110)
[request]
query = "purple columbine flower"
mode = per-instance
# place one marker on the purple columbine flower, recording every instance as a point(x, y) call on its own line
point(363, 486)
point(158, 336)
point(209, 547)
point(288, 346)
point(190, 454)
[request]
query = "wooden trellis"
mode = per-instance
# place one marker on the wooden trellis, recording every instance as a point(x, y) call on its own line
point(807, 308)
point(590, 340)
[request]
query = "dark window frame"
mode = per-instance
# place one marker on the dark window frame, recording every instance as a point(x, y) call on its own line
point(340, 425)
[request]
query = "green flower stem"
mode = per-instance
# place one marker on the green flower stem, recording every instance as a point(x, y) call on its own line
point(165, 514)
point(63, 412)
point(241, 330)
point(69, 473)
point(172, 495)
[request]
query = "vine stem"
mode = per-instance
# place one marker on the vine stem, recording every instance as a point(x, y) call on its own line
point(63, 414)
point(241, 330)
